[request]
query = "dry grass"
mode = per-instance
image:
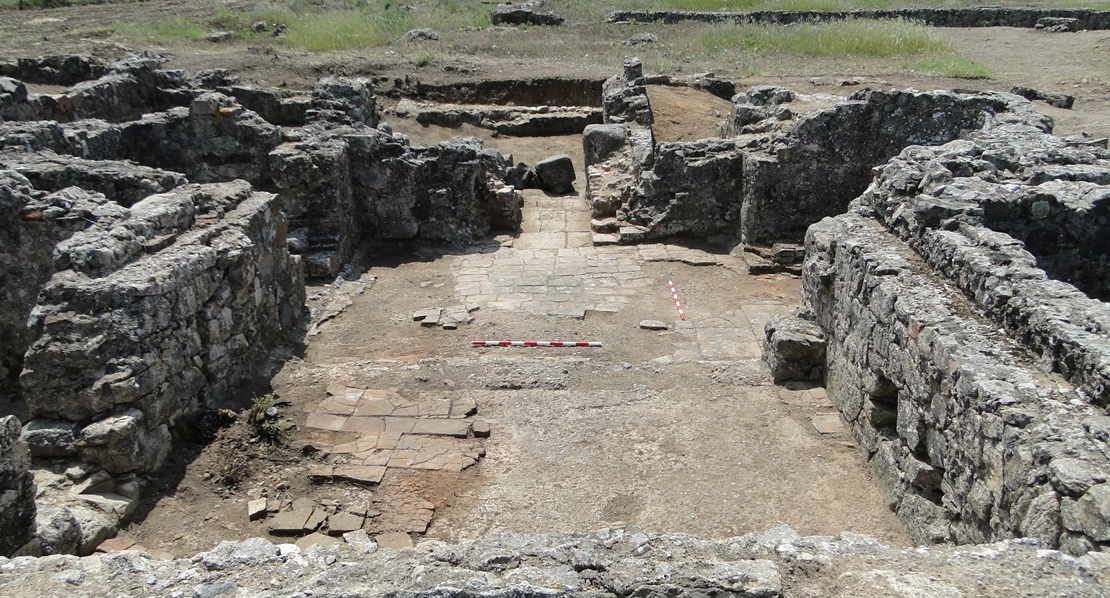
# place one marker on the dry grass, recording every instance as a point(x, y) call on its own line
point(373, 28)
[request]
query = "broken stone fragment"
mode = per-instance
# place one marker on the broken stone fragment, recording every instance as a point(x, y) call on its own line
point(315, 538)
point(303, 503)
point(340, 524)
point(256, 509)
point(394, 540)
point(359, 539)
point(427, 317)
point(220, 36)
point(315, 520)
point(481, 429)
point(289, 522)
point(641, 38)
point(419, 35)
point(653, 325)
point(1052, 98)
point(522, 176)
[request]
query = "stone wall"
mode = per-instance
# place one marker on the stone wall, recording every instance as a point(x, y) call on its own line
point(153, 313)
point(133, 298)
point(976, 381)
point(986, 16)
point(17, 488)
point(608, 562)
point(342, 180)
point(968, 439)
point(785, 162)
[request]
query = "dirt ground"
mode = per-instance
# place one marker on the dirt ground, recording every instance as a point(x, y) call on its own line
point(677, 430)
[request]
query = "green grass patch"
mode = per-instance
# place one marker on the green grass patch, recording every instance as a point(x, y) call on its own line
point(955, 66)
point(875, 39)
point(163, 30)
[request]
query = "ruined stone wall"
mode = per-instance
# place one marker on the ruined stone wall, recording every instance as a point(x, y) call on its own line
point(955, 204)
point(134, 299)
point(975, 381)
point(17, 488)
point(154, 312)
point(969, 440)
point(819, 161)
point(608, 562)
point(786, 161)
point(341, 179)
point(985, 16)
point(347, 184)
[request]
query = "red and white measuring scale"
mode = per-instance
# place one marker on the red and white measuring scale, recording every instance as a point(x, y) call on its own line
point(536, 343)
point(674, 294)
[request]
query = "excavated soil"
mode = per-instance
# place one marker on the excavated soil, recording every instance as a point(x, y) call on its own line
point(676, 430)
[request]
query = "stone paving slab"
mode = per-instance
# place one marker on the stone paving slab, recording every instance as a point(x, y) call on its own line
point(367, 431)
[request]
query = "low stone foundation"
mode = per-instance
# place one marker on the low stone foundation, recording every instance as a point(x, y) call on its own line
point(609, 562)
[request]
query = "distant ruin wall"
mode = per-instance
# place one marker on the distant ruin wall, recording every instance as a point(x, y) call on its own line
point(987, 16)
point(785, 162)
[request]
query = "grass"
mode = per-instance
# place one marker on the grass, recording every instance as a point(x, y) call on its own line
point(827, 5)
point(162, 30)
point(311, 27)
point(955, 66)
point(375, 27)
point(875, 39)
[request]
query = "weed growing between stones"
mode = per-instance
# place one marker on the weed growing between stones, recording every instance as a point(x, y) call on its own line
point(263, 418)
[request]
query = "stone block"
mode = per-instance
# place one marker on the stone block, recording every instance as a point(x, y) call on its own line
point(1092, 512)
point(794, 349)
point(315, 539)
point(289, 522)
point(256, 509)
point(340, 524)
point(601, 141)
point(556, 174)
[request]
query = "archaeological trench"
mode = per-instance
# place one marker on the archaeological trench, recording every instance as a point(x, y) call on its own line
point(159, 227)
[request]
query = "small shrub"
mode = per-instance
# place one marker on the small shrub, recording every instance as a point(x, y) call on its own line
point(263, 417)
point(423, 59)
